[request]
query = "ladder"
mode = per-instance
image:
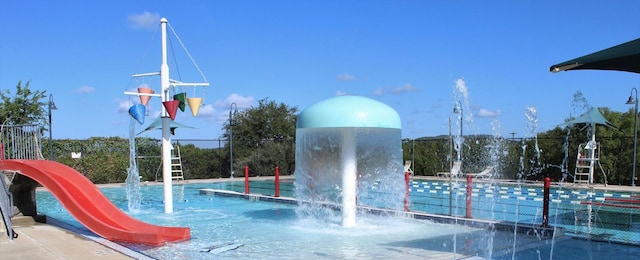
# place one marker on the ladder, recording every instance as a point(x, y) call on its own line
point(588, 156)
point(176, 164)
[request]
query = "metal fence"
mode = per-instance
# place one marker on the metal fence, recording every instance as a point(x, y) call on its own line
point(21, 142)
point(16, 142)
point(201, 158)
point(106, 159)
point(541, 157)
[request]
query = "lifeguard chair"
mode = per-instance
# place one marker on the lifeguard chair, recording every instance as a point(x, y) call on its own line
point(407, 167)
point(588, 155)
point(587, 159)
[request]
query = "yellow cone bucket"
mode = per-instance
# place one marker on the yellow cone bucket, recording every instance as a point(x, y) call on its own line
point(194, 105)
point(145, 99)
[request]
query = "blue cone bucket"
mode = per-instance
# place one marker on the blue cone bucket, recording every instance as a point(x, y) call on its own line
point(137, 112)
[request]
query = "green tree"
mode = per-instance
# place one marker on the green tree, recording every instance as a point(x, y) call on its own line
point(25, 107)
point(103, 160)
point(198, 163)
point(263, 138)
point(560, 148)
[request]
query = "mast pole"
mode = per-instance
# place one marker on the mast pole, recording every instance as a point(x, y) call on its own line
point(166, 136)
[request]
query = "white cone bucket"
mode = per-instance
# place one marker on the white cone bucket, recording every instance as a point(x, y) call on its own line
point(194, 105)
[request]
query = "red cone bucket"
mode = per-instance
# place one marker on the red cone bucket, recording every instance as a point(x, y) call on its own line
point(137, 111)
point(172, 108)
point(145, 99)
point(180, 97)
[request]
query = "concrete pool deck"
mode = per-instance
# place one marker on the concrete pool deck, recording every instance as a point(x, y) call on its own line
point(56, 240)
point(44, 241)
point(49, 241)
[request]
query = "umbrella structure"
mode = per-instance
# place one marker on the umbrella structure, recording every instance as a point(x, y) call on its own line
point(623, 57)
point(588, 154)
point(591, 118)
point(157, 124)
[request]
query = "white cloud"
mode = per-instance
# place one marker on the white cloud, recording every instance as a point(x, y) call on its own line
point(207, 111)
point(345, 77)
point(124, 105)
point(340, 93)
point(378, 92)
point(404, 88)
point(85, 90)
point(144, 20)
point(483, 112)
point(240, 101)
point(397, 90)
point(219, 111)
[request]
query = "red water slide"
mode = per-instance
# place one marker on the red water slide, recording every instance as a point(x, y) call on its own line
point(90, 207)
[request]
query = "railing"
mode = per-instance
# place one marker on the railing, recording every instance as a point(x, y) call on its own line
point(6, 207)
point(16, 142)
point(21, 142)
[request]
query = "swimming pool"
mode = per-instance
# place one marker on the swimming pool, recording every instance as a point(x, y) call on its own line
point(610, 216)
point(225, 227)
point(585, 213)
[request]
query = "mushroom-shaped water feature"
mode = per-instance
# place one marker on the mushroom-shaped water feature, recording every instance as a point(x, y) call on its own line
point(349, 153)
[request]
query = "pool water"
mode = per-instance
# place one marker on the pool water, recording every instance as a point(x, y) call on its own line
point(581, 212)
point(232, 228)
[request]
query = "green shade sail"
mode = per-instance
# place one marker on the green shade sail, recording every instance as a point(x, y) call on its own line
point(157, 124)
point(591, 117)
point(623, 57)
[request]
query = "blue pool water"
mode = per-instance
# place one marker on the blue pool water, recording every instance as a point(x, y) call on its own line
point(232, 228)
point(581, 212)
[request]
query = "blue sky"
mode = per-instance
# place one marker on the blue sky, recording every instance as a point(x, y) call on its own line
point(406, 54)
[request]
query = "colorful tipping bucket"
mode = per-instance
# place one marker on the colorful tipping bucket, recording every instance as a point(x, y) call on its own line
point(172, 108)
point(145, 99)
point(180, 97)
point(137, 111)
point(194, 105)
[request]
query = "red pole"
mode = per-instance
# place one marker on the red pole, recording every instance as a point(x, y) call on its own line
point(469, 190)
point(277, 181)
point(545, 202)
point(1, 151)
point(406, 193)
point(246, 179)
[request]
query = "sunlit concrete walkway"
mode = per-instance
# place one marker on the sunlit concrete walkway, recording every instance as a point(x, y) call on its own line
point(44, 241)
point(51, 241)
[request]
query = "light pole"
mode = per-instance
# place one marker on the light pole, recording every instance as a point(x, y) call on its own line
point(231, 113)
point(633, 99)
point(52, 106)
